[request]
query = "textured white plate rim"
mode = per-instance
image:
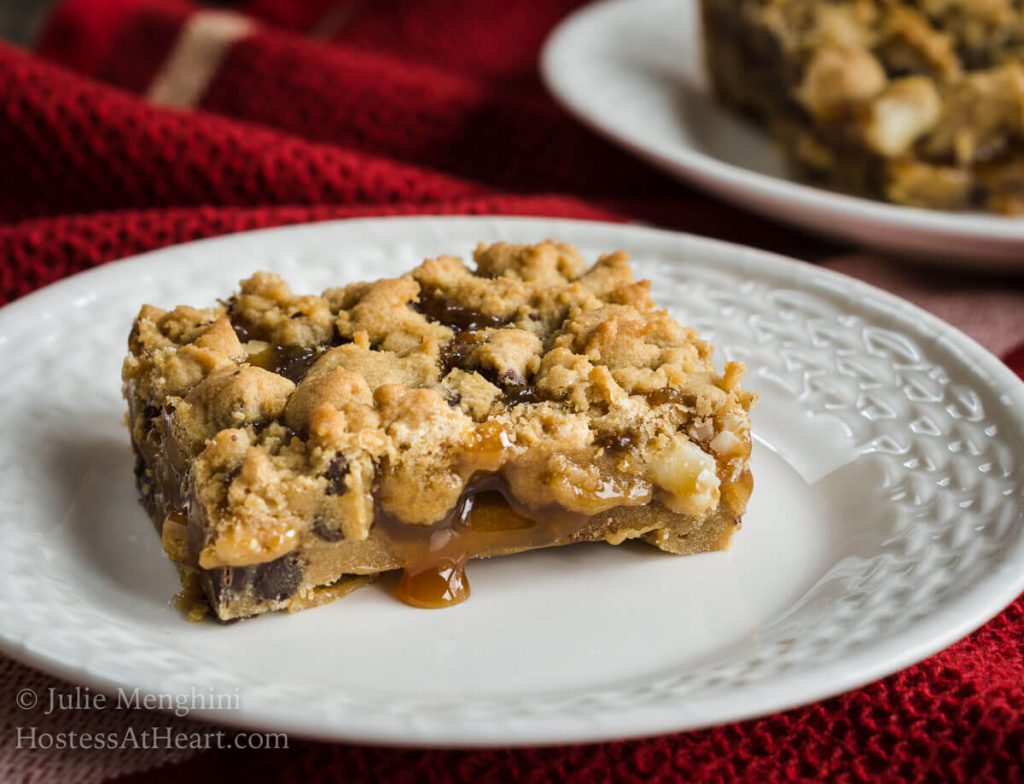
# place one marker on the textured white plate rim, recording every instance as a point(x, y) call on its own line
point(727, 179)
point(954, 620)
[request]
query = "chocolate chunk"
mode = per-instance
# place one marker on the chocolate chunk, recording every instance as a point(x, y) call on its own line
point(227, 582)
point(243, 334)
point(143, 479)
point(152, 436)
point(140, 465)
point(296, 314)
point(335, 475)
point(455, 354)
point(453, 399)
point(978, 195)
point(619, 441)
point(293, 362)
point(515, 395)
point(435, 307)
point(665, 395)
point(511, 378)
point(327, 532)
point(506, 379)
point(277, 579)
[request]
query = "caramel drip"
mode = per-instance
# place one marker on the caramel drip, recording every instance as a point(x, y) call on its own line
point(440, 584)
point(736, 493)
point(486, 519)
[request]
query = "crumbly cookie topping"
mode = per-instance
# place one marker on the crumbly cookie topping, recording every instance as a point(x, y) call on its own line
point(319, 413)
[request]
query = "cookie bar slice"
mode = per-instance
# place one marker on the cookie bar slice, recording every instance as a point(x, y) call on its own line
point(288, 447)
point(917, 102)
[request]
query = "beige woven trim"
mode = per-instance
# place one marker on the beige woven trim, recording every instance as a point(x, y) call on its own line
point(202, 45)
point(335, 19)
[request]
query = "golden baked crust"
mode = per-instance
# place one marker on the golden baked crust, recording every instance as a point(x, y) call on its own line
point(918, 102)
point(311, 437)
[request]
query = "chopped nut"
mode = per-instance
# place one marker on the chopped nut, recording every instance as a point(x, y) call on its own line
point(687, 474)
point(906, 110)
point(839, 76)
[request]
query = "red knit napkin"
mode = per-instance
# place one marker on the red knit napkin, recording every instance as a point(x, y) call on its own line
point(143, 123)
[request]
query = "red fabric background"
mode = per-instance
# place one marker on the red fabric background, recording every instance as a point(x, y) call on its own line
point(432, 106)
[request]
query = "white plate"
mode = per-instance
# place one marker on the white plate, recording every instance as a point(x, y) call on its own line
point(885, 523)
point(633, 71)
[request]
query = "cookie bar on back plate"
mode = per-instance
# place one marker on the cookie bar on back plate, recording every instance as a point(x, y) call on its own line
point(289, 446)
point(917, 102)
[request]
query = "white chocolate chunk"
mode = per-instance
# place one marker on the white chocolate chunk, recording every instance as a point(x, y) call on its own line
point(688, 476)
point(903, 113)
point(725, 443)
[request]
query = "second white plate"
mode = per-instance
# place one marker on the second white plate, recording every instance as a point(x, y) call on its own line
point(633, 71)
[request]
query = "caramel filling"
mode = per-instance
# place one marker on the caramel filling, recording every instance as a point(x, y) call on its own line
point(486, 521)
